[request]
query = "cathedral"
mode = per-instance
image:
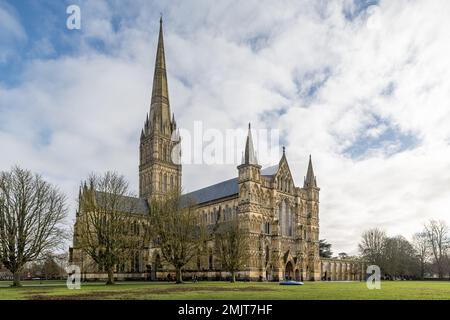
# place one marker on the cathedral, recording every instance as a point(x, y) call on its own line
point(282, 218)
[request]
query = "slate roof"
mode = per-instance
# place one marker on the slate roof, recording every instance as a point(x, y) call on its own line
point(222, 189)
point(216, 191)
point(127, 204)
point(269, 171)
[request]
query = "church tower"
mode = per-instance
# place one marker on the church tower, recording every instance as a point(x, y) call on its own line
point(249, 170)
point(312, 221)
point(160, 166)
point(249, 179)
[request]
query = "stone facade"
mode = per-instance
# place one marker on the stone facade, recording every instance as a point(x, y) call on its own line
point(282, 218)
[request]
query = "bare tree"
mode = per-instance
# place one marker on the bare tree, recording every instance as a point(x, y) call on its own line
point(31, 215)
point(110, 228)
point(422, 248)
point(179, 232)
point(438, 237)
point(372, 245)
point(232, 244)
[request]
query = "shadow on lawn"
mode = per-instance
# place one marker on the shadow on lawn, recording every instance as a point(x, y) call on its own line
point(136, 293)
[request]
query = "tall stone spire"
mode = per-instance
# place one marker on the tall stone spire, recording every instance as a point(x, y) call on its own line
point(249, 154)
point(310, 180)
point(160, 119)
point(159, 170)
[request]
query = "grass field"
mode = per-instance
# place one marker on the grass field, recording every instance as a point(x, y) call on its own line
point(56, 290)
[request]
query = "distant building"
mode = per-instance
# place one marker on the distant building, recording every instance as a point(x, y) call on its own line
point(4, 273)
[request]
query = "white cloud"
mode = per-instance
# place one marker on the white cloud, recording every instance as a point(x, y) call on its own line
point(230, 64)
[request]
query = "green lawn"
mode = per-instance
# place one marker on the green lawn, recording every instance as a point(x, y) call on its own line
point(223, 290)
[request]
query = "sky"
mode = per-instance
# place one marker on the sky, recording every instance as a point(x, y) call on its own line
point(362, 86)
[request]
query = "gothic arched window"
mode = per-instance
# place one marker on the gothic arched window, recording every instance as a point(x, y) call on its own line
point(285, 218)
point(290, 222)
point(227, 213)
point(215, 216)
point(171, 183)
point(266, 227)
point(203, 217)
point(165, 183)
point(136, 228)
point(282, 214)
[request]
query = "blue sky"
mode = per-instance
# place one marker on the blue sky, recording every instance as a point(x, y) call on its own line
point(39, 22)
point(363, 86)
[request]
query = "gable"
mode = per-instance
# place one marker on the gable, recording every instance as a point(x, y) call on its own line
point(283, 171)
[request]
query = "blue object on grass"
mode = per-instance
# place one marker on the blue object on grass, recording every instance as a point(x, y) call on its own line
point(291, 283)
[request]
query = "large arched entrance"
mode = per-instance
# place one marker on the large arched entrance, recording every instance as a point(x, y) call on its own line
point(289, 271)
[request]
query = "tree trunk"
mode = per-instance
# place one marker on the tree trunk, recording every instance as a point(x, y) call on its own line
point(179, 278)
point(233, 276)
point(16, 279)
point(110, 277)
point(440, 272)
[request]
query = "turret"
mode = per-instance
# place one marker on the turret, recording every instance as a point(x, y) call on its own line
point(310, 183)
point(249, 168)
